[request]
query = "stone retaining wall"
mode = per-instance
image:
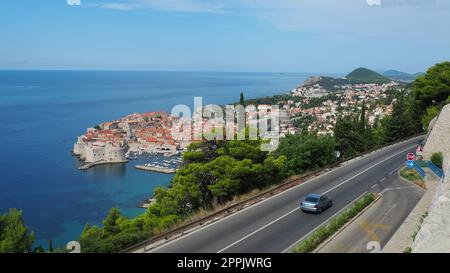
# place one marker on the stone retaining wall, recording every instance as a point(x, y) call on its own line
point(434, 235)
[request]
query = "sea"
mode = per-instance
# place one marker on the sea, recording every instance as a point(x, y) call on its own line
point(43, 112)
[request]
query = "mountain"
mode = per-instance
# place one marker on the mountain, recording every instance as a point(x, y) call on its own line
point(364, 75)
point(358, 76)
point(401, 76)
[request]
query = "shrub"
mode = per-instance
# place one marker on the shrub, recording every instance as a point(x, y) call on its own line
point(407, 250)
point(437, 159)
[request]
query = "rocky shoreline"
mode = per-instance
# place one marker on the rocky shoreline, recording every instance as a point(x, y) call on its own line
point(146, 203)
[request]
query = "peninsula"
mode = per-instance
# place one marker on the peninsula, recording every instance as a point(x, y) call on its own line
point(117, 141)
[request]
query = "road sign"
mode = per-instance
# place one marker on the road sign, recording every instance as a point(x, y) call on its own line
point(410, 164)
point(338, 154)
point(411, 156)
point(419, 150)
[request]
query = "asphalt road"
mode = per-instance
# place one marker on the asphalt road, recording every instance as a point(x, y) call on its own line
point(276, 224)
point(379, 223)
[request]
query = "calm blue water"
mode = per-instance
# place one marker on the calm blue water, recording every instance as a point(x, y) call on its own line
point(42, 113)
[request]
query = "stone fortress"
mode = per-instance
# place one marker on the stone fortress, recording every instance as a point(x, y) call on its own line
point(112, 142)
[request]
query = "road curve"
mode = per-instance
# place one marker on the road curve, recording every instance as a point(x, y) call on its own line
point(381, 220)
point(275, 225)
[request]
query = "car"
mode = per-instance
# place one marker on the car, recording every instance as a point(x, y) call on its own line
point(316, 203)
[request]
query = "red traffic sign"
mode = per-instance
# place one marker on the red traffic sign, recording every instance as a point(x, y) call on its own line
point(411, 156)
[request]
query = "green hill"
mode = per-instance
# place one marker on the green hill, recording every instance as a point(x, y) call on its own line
point(357, 76)
point(364, 75)
point(402, 76)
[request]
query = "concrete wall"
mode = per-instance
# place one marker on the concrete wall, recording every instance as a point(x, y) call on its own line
point(439, 136)
point(434, 234)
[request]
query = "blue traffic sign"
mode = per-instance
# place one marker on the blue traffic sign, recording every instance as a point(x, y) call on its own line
point(410, 164)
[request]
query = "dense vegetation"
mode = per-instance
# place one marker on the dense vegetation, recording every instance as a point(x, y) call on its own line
point(306, 152)
point(14, 235)
point(432, 92)
point(433, 88)
point(354, 135)
point(214, 172)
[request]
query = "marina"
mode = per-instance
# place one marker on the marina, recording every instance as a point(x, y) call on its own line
point(160, 164)
point(155, 169)
point(100, 162)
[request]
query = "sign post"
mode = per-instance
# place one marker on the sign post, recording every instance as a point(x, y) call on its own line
point(410, 164)
point(419, 151)
point(410, 157)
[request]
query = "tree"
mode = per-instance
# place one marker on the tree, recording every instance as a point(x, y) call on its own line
point(241, 100)
point(430, 114)
point(306, 152)
point(377, 132)
point(14, 235)
point(404, 121)
point(349, 141)
point(434, 87)
point(362, 120)
point(111, 221)
point(50, 246)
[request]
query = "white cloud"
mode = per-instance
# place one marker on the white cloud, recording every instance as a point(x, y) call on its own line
point(374, 2)
point(192, 6)
point(331, 18)
point(73, 2)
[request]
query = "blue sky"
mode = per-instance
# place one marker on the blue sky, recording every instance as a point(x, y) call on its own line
point(224, 35)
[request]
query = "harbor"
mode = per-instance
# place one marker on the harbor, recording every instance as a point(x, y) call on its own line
point(100, 162)
point(160, 164)
point(155, 169)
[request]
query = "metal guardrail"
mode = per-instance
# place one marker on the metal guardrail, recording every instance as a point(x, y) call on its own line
point(288, 183)
point(419, 169)
point(439, 172)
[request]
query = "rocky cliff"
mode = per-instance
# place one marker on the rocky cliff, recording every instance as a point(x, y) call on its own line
point(434, 235)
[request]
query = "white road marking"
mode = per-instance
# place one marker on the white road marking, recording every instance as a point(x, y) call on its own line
point(389, 210)
point(324, 223)
point(371, 167)
point(330, 190)
point(256, 231)
point(396, 188)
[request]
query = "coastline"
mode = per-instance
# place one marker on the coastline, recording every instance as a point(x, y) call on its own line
point(119, 185)
point(93, 164)
point(155, 169)
point(146, 203)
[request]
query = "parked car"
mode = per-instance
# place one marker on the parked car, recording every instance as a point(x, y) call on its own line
point(316, 203)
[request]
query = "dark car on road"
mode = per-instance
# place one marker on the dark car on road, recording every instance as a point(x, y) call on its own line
point(316, 203)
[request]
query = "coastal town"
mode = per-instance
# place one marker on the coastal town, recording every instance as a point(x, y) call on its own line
point(124, 139)
point(315, 108)
point(310, 107)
